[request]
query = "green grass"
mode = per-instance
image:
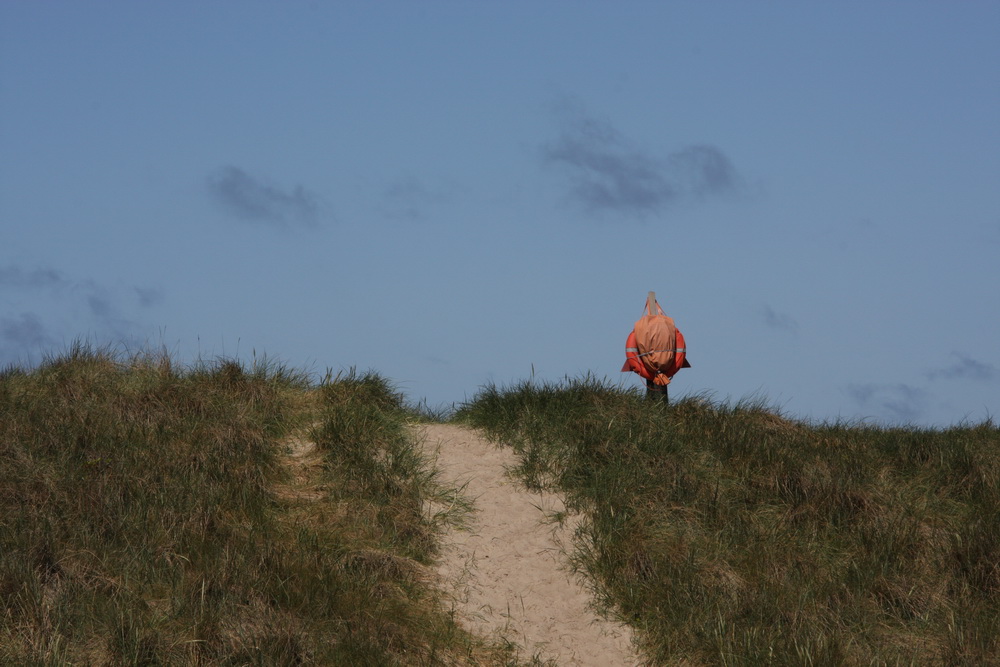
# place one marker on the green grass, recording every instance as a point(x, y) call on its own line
point(729, 535)
point(164, 515)
point(153, 515)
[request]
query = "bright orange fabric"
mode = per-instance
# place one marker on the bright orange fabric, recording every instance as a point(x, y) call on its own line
point(655, 349)
point(632, 361)
point(656, 338)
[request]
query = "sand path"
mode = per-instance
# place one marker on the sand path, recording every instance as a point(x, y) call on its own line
point(508, 569)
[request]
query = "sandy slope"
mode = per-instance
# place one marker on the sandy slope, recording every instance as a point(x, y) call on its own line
point(507, 571)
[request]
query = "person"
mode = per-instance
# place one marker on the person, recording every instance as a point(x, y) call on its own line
point(655, 350)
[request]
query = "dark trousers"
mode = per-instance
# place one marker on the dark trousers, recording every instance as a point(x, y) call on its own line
point(657, 392)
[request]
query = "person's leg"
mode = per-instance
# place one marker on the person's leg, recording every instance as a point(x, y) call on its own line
point(656, 392)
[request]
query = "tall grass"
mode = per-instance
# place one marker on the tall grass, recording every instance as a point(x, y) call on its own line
point(149, 515)
point(727, 534)
point(134, 500)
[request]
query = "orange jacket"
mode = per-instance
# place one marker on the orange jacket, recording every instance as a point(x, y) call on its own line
point(655, 349)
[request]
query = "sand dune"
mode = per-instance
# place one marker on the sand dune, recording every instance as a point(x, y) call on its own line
point(507, 570)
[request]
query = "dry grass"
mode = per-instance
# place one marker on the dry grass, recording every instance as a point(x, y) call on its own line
point(732, 535)
point(153, 514)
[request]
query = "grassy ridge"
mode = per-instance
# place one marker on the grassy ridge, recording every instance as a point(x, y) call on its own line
point(729, 535)
point(151, 514)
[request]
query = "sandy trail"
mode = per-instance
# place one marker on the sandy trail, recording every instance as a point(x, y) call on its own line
point(508, 572)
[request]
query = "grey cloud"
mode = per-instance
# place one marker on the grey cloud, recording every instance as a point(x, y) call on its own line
point(149, 296)
point(966, 368)
point(23, 336)
point(25, 331)
point(103, 306)
point(897, 402)
point(100, 307)
point(776, 320)
point(15, 276)
point(609, 174)
point(84, 305)
point(704, 170)
point(255, 201)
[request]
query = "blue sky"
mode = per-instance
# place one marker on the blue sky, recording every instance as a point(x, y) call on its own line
point(457, 193)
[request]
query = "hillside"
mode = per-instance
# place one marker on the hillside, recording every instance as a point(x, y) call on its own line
point(153, 514)
point(224, 514)
point(731, 535)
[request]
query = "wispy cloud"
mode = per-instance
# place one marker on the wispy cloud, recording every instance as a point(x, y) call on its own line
point(965, 368)
point(100, 306)
point(25, 331)
point(896, 402)
point(608, 173)
point(149, 296)
point(59, 308)
point(776, 320)
point(703, 170)
point(408, 198)
point(17, 277)
point(251, 199)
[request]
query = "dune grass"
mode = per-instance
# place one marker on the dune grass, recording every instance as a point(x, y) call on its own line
point(223, 514)
point(158, 515)
point(729, 535)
